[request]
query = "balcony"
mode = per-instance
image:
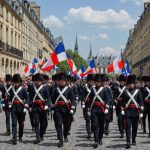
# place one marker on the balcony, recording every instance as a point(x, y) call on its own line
point(5, 48)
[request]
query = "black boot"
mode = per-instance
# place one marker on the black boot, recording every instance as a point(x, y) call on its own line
point(20, 139)
point(41, 138)
point(60, 144)
point(134, 142)
point(14, 141)
point(65, 139)
point(96, 145)
point(106, 132)
point(100, 142)
point(144, 131)
point(89, 136)
point(149, 135)
point(7, 133)
point(128, 145)
point(37, 141)
point(122, 136)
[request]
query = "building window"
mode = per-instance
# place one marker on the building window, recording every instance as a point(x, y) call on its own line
point(7, 35)
point(1, 10)
point(6, 15)
point(19, 42)
point(11, 19)
point(1, 31)
point(16, 40)
point(11, 38)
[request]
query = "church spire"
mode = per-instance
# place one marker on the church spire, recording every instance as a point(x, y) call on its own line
point(76, 49)
point(90, 53)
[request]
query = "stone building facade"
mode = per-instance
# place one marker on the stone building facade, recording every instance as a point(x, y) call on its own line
point(22, 36)
point(137, 50)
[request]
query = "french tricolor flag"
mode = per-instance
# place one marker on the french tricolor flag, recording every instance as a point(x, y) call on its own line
point(91, 68)
point(57, 56)
point(71, 64)
point(44, 60)
point(117, 65)
point(81, 72)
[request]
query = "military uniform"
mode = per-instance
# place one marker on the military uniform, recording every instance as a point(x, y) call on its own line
point(146, 97)
point(41, 100)
point(99, 105)
point(118, 92)
point(85, 103)
point(19, 105)
point(5, 89)
point(132, 103)
point(64, 103)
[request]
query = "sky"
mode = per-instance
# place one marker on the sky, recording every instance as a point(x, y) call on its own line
point(104, 24)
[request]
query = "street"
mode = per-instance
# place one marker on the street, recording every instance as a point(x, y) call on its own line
point(77, 139)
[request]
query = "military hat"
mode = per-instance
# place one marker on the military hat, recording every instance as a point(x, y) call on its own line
point(131, 79)
point(16, 78)
point(121, 78)
point(97, 78)
point(38, 77)
point(46, 77)
point(8, 77)
point(90, 77)
point(62, 76)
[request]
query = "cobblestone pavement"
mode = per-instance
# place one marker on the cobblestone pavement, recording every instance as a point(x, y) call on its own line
point(77, 139)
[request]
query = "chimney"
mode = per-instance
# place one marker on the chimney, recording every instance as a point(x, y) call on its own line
point(146, 5)
point(36, 9)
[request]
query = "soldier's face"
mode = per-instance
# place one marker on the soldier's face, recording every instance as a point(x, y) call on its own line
point(62, 82)
point(90, 83)
point(98, 84)
point(122, 83)
point(37, 83)
point(8, 82)
point(131, 85)
point(16, 84)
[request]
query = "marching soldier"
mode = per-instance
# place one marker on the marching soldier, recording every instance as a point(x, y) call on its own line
point(132, 108)
point(99, 105)
point(146, 97)
point(64, 103)
point(118, 92)
point(5, 89)
point(85, 103)
point(41, 101)
point(19, 105)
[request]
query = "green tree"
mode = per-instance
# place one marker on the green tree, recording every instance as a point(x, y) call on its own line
point(78, 60)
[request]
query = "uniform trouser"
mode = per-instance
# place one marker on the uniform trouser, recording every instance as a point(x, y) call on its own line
point(120, 122)
point(87, 121)
point(62, 120)
point(146, 112)
point(31, 119)
point(107, 121)
point(7, 115)
point(131, 122)
point(40, 118)
point(98, 125)
point(20, 117)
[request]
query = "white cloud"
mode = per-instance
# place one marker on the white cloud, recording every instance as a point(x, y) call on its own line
point(88, 15)
point(53, 22)
point(108, 51)
point(137, 2)
point(103, 36)
point(92, 37)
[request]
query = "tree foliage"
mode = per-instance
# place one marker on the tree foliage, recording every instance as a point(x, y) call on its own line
point(78, 60)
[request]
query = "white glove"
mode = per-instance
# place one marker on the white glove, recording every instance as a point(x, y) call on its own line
point(3, 105)
point(83, 106)
point(122, 112)
point(89, 113)
point(71, 111)
point(141, 115)
point(30, 109)
point(9, 106)
point(114, 107)
point(106, 111)
point(24, 110)
point(46, 107)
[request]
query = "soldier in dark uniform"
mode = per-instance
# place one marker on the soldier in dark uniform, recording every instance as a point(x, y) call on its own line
point(19, 105)
point(109, 116)
point(64, 103)
point(41, 101)
point(85, 102)
point(5, 89)
point(146, 97)
point(98, 106)
point(118, 92)
point(132, 103)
